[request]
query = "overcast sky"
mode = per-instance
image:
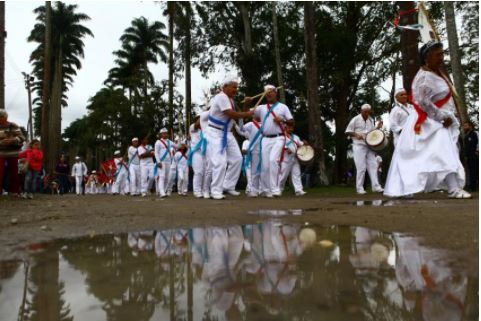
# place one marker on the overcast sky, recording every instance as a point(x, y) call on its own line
point(108, 21)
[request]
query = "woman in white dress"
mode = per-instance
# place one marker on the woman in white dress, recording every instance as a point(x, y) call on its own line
point(426, 157)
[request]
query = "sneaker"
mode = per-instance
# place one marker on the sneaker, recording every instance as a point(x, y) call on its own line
point(268, 195)
point(361, 192)
point(218, 196)
point(379, 190)
point(277, 194)
point(23, 195)
point(162, 195)
point(30, 196)
point(144, 194)
point(460, 194)
point(197, 195)
point(300, 193)
point(233, 192)
point(252, 194)
point(206, 195)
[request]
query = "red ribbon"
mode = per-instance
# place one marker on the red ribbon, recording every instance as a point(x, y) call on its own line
point(422, 114)
point(406, 12)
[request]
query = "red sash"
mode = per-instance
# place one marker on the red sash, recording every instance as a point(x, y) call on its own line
point(422, 114)
point(258, 126)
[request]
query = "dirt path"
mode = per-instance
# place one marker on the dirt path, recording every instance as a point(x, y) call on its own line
point(442, 223)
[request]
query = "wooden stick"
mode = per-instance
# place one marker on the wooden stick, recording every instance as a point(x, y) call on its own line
point(260, 99)
point(262, 93)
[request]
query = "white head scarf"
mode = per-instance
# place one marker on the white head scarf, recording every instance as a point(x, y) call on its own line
point(365, 107)
point(229, 79)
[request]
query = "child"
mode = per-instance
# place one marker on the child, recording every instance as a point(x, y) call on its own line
point(92, 183)
point(290, 164)
point(182, 169)
point(33, 157)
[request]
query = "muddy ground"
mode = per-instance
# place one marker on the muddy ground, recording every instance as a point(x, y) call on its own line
point(442, 223)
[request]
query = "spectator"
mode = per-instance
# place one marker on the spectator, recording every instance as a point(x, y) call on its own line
point(471, 151)
point(33, 162)
point(11, 140)
point(62, 170)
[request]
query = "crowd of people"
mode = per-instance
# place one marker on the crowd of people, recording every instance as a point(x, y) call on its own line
point(425, 129)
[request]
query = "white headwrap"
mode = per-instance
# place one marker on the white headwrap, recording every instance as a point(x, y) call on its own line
point(398, 91)
point(117, 152)
point(270, 87)
point(229, 79)
point(366, 107)
point(135, 139)
point(163, 130)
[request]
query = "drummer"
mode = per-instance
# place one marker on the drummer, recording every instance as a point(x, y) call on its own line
point(364, 158)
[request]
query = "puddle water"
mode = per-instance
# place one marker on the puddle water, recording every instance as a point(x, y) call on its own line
point(381, 202)
point(263, 271)
point(267, 212)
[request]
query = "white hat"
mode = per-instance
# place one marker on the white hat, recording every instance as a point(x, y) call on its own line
point(117, 152)
point(163, 130)
point(94, 172)
point(398, 91)
point(270, 87)
point(135, 139)
point(77, 157)
point(366, 107)
point(229, 79)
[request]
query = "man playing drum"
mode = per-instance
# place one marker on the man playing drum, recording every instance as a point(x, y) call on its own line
point(364, 157)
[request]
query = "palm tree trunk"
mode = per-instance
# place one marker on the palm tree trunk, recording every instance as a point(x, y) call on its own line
point(275, 30)
point(455, 56)
point(55, 115)
point(46, 75)
point(409, 45)
point(315, 121)
point(188, 88)
point(171, 9)
point(2, 55)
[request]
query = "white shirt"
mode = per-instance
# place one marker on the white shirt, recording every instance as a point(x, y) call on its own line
point(270, 126)
point(194, 135)
point(398, 116)
point(181, 161)
point(293, 143)
point(119, 162)
point(360, 126)
point(245, 145)
point(249, 131)
point(204, 120)
point(79, 169)
point(220, 103)
point(147, 160)
point(133, 155)
point(160, 148)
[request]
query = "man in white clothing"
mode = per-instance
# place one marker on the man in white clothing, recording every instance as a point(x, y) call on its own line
point(222, 148)
point(164, 159)
point(399, 113)
point(196, 156)
point(134, 167)
point(146, 154)
point(250, 150)
point(204, 125)
point(79, 171)
point(121, 176)
point(364, 158)
point(290, 164)
point(274, 117)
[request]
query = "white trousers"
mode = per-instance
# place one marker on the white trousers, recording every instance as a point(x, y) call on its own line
point(252, 174)
point(78, 184)
point(225, 165)
point(120, 185)
point(291, 166)
point(270, 173)
point(365, 159)
point(146, 177)
point(134, 172)
point(199, 168)
point(207, 175)
point(163, 178)
point(182, 180)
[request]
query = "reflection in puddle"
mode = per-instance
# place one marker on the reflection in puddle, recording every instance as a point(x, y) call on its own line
point(264, 271)
point(294, 212)
point(386, 202)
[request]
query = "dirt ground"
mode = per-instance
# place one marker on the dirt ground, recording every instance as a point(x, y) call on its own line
point(441, 222)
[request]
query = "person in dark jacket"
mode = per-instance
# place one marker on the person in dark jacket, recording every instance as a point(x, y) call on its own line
point(471, 151)
point(62, 171)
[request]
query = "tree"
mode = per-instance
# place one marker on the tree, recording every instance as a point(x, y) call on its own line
point(275, 33)
point(170, 12)
point(3, 35)
point(315, 121)
point(409, 43)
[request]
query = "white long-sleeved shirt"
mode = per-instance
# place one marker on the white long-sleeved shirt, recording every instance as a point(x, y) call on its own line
point(133, 154)
point(79, 169)
point(360, 126)
point(119, 163)
point(161, 145)
point(398, 116)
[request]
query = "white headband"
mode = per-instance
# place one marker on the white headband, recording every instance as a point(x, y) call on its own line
point(229, 79)
point(398, 91)
point(270, 87)
point(366, 107)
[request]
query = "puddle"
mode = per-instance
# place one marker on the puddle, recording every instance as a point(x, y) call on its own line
point(263, 271)
point(294, 212)
point(397, 202)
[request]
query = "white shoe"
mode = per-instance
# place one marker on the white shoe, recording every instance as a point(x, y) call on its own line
point(218, 196)
point(460, 194)
point(206, 195)
point(268, 195)
point(277, 194)
point(162, 195)
point(252, 194)
point(300, 193)
point(144, 194)
point(379, 190)
point(361, 192)
point(23, 195)
point(233, 192)
point(169, 193)
point(198, 195)
point(30, 196)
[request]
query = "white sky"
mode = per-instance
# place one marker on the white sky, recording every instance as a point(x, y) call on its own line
point(108, 21)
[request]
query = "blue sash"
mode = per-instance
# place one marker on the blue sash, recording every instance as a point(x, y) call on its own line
point(202, 145)
point(167, 150)
point(225, 130)
point(261, 130)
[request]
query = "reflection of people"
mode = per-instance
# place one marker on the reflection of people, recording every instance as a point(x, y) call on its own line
point(426, 157)
point(364, 158)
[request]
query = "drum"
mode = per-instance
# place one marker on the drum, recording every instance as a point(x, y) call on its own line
point(376, 140)
point(305, 154)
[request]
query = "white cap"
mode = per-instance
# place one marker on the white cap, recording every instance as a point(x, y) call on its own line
point(398, 91)
point(77, 157)
point(163, 130)
point(94, 172)
point(117, 152)
point(270, 87)
point(135, 139)
point(229, 79)
point(366, 107)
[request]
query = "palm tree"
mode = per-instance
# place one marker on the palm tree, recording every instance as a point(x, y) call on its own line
point(170, 12)
point(2, 55)
point(66, 50)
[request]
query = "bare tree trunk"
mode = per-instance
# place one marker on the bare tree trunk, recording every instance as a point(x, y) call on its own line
point(188, 85)
point(44, 126)
point(409, 45)
point(3, 35)
point(458, 75)
point(171, 10)
point(248, 61)
point(55, 115)
point(315, 121)
point(275, 30)
point(247, 28)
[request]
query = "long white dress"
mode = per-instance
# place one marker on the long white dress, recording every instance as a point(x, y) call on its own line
point(429, 160)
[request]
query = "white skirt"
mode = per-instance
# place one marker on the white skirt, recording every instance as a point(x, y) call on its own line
point(420, 163)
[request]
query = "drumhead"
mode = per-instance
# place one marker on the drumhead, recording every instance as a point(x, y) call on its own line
point(305, 153)
point(375, 137)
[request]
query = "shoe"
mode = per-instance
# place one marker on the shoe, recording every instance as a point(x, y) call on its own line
point(300, 193)
point(460, 194)
point(253, 195)
point(233, 192)
point(268, 195)
point(379, 190)
point(30, 196)
point(169, 193)
point(218, 196)
point(277, 194)
point(144, 194)
point(361, 192)
point(197, 195)
point(206, 195)
point(162, 195)
point(23, 195)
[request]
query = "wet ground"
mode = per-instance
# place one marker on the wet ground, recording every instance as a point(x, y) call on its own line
point(321, 257)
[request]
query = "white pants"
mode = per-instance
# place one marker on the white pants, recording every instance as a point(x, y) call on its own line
point(182, 180)
point(252, 174)
point(146, 177)
point(270, 173)
point(199, 167)
point(163, 178)
point(291, 166)
point(120, 185)
point(365, 159)
point(78, 184)
point(92, 189)
point(134, 171)
point(225, 165)
point(207, 175)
